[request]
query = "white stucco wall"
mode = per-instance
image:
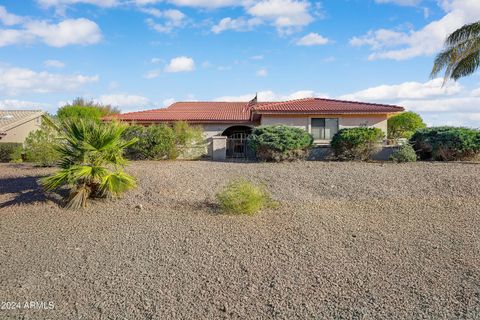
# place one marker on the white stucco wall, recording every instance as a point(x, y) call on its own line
point(375, 122)
point(211, 129)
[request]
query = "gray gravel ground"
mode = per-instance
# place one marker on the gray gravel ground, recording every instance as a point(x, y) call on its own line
point(350, 241)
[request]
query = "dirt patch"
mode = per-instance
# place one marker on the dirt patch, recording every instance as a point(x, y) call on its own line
point(350, 241)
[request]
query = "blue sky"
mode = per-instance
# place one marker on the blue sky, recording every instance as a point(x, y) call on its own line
point(140, 54)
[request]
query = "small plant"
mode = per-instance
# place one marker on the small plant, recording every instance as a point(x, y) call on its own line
point(357, 143)
point(243, 197)
point(9, 151)
point(91, 162)
point(446, 143)
point(405, 153)
point(280, 143)
point(41, 146)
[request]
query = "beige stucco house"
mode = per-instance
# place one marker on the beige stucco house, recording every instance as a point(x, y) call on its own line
point(228, 124)
point(15, 125)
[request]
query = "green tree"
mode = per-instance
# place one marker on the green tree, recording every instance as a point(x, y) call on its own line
point(83, 109)
point(92, 163)
point(41, 146)
point(461, 55)
point(404, 125)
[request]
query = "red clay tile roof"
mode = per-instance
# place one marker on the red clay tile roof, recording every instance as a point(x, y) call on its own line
point(328, 106)
point(240, 112)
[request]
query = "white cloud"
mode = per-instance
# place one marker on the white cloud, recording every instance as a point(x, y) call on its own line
point(63, 3)
point(450, 105)
point(398, 45)
point(257, 57)
point(156, 60)
point(12, 104)
point(312, 39)
point(240, 24)
point(152, 74)
point(204, 3)
point(124, 100)
point(67, 32)
point(172, 19)
point(272, 96)
point(71, 31)
point(9, 19)
point(53, 64)
point(262, 72)
point(14, 81)
point(180, 64)
point(285, 15)
point(401, 2)
point(406, 90)
point(168, 102)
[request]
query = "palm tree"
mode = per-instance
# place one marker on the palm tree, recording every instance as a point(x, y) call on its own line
point(461, 56)
point(91, 161)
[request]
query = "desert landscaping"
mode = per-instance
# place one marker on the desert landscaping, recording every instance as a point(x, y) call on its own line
point(349, 240)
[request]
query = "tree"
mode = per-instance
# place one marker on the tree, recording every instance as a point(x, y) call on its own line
point(41, 146)
point(91, 161)
point(81, 108)
point(461, 55)
point(404, 125)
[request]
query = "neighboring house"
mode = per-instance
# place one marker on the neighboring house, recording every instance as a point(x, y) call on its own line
point(233, 121)
point(15, 125)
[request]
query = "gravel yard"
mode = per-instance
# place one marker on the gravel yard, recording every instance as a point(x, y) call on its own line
point(349, 241)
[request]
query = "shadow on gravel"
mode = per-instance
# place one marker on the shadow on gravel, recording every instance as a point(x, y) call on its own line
point(26, 190)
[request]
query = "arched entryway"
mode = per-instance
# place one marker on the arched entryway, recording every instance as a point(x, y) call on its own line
point(237, 141)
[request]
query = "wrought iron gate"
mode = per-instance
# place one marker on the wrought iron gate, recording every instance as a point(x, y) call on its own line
point(238, 147)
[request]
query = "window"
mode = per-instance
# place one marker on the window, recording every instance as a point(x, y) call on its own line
point(324, 128)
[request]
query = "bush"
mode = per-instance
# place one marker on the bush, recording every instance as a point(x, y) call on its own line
point(160, 142)
point(9, 151)
point(446, 143)
point(188, 141)
point(357, 143)
point(405, 153)
point(280, 143)
point(404, 125)
point(41, 146)
point(83, 109)
point(154, 142)
point(243, 197)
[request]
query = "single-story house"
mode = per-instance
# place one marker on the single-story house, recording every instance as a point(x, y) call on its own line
point(15, 125)
point(228, 124)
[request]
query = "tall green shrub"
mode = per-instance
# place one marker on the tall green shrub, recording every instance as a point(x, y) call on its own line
point(155, 142)
point(357, 143)
point(41, 146)
point(404, 125)
point(280, 143)
point(446, 143)
point(84, 109)
point(9, 151)
point(161, 142)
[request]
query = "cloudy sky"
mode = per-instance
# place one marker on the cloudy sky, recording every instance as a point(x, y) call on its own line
point(139, 54)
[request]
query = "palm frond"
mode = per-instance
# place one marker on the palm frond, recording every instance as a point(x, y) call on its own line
point(116, 183)
point(465, 33)
point(461, 54)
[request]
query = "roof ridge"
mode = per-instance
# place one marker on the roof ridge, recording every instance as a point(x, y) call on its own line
point(359, 102)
